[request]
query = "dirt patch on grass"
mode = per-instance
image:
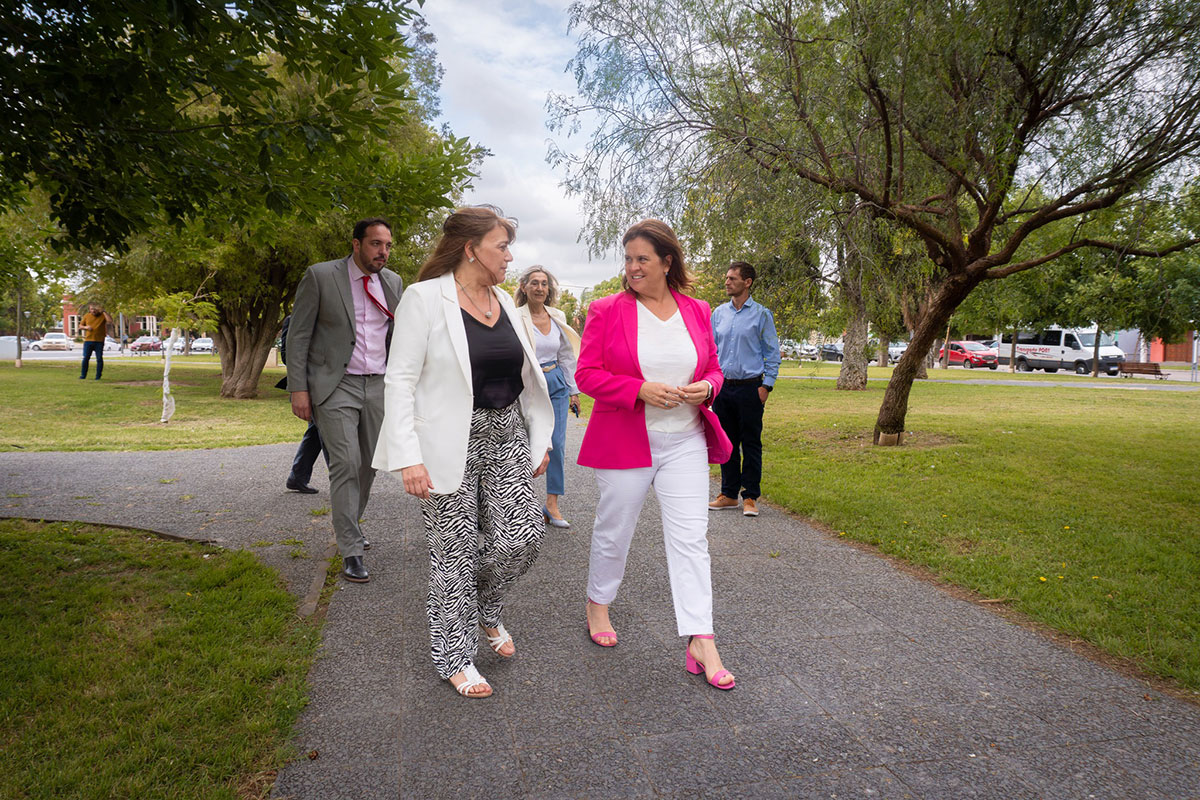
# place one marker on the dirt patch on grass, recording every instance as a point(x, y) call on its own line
point(858, 439)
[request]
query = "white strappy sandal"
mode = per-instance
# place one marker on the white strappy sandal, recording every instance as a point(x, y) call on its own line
point(473, 680)
point(501, 638)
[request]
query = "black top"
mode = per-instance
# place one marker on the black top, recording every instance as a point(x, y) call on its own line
point(496, 361)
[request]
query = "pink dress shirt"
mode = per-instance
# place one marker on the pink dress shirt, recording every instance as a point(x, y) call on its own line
point(370, 325)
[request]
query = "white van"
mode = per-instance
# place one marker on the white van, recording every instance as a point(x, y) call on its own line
point(1055, 348)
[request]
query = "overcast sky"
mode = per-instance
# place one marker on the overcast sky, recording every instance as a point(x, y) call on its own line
point(502, 58)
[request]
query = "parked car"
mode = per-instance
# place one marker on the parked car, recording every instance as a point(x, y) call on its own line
point(25, 343)
point(831, 351)
point(146, 344)
point(970, 355)
point(53, 341)
point(790, 348)
point(204, 344)
point(896, 351)
point(111, 344)
point(1058, 348)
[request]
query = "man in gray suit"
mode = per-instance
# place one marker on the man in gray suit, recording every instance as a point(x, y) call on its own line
point(337, 347)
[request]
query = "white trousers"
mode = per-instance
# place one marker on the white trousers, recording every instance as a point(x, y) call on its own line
point(679, 474)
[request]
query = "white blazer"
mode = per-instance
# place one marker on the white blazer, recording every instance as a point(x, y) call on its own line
point(428, 394)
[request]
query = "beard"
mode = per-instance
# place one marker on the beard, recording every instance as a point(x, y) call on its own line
point(373, 267)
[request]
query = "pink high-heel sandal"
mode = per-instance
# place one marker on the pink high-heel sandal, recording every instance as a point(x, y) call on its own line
point(606, 634)
point(695, 667)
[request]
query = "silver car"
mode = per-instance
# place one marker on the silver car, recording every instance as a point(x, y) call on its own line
point(54, 341)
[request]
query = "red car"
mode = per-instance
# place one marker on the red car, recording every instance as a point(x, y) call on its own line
point(971, 355)
point(144, 343)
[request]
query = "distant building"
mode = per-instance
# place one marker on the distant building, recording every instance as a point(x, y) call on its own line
point(1137, 349)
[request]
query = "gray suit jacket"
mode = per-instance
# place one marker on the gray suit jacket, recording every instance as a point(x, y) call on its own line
point(321, 334)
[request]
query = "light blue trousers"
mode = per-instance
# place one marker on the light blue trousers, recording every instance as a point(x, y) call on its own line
point(559, 397)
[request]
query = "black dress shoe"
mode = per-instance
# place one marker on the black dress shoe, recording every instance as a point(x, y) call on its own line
point(297, 486)
point(354, 570)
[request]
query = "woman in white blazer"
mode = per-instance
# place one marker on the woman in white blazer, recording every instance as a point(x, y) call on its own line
point(467, 424)
point(556, 345)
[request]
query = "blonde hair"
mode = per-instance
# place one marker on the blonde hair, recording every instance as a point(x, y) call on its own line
point(467, 225)
point(521, 298)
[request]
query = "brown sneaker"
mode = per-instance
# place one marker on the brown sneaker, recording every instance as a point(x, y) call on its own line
point(721, 502)
point(749, 507)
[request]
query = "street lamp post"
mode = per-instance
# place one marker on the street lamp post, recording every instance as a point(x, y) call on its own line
point(17, 363)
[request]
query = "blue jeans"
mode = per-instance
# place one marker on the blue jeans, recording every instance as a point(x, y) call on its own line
point(88, 349)
point(559, 397)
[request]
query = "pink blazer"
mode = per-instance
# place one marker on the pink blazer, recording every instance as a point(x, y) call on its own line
point(608, 371)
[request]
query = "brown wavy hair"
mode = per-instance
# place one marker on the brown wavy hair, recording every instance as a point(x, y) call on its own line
point(666, 245)
point(466, 225)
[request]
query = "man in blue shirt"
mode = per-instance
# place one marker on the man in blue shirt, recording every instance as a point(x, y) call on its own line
point(748, 350)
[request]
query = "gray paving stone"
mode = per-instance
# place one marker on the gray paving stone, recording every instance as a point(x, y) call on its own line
point(488, 775)
point(966, 778)
point(353, 735)
point(312, 779)
point(761, 790)
point(1084, 773)
point(806, 746)
point(896, 733)
point(876, 783)
point(701, 759)
point(764, 698)
point(592, 767)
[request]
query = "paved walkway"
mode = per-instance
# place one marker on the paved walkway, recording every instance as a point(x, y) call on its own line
point(855, 680)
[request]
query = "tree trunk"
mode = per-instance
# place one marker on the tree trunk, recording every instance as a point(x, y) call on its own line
point(243, 351)
point(894, 409)
point(883, 350)
point(853, 374)
point(1012, 354)
point(1096, 354)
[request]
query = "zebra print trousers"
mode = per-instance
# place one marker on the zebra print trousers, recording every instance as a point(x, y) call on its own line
point(481, 538)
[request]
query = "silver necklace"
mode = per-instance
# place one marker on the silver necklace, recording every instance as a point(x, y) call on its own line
point(466, 294)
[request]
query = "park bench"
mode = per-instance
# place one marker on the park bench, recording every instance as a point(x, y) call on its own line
point(1128, 368)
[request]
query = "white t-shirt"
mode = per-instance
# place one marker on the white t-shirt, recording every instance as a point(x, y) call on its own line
point(667, 355)
point(546, 344)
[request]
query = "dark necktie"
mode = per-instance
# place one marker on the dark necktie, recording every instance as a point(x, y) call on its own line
point(367, 288)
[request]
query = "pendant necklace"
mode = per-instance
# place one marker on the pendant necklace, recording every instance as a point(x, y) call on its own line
point(488, 313)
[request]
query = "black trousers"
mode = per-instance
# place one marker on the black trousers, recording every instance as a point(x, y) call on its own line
point(741, 415)
point(306, 454)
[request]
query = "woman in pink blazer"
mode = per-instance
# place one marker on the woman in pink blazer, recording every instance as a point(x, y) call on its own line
point(649, 360)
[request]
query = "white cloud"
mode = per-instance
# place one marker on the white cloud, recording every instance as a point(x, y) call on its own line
point(502, 59)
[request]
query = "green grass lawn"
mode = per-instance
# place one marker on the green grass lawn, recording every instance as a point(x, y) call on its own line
point(137, 667)
point(44, 406)
point(1077, 506)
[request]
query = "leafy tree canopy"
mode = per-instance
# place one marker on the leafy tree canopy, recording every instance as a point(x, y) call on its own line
point(129, 111)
